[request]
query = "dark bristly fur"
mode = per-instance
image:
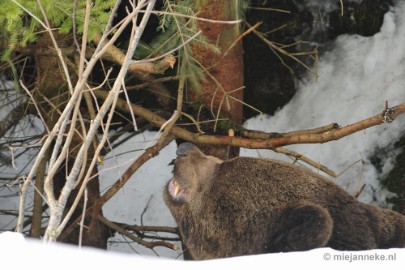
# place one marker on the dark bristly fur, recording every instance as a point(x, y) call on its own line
point(251, 206)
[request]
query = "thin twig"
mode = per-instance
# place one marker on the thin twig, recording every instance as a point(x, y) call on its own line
point(107, 29)
point(35, 104)
point(240, 37)
point(84, 38)
point(138, 228)
point(270, 9)
point(138, 240)
point(164, 139)
point(12, 118)
point(307, 160)
point(83, 216)
point(184, 43)
point(23, 192)
point(74, 26)
point(56, 46)
point(276, 48)
point(175, 14)
point(197, 124)
point(145, 209)
point(128, 101)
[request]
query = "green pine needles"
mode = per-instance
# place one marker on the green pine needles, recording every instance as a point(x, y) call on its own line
point(177, 28)
point(19, 28)
point(178, 24)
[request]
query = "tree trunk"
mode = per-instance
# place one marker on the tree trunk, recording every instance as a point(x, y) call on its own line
point(222, 91)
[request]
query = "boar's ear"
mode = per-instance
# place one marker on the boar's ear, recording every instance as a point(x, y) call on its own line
point(184, 148)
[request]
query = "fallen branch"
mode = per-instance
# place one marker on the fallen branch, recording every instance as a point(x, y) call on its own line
point(299, 137)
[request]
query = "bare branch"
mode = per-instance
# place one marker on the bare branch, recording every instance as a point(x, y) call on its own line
point(12, 118)
point(56, 225)
point(300, 137)
point(23, 193)
point(84, 38)
point(277, 48)
point(305, 159)
point(184, 43)
point(38, 199)
point(138, 240)
point(83, 217)
point(175, 14)
point(265, 136)
point(115, 55)
point(139, 228)
point(35, 104)
point(152, 151)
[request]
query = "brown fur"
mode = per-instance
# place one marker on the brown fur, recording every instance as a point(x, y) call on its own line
point(251, 206)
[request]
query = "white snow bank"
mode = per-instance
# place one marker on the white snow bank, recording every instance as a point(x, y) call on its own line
point(19, 253)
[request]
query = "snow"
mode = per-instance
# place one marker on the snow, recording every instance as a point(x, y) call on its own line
point(355, 80)
point(33, 254)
